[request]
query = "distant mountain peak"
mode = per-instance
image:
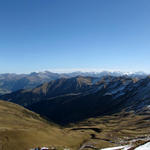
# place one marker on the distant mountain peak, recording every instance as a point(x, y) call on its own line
point(10, 82)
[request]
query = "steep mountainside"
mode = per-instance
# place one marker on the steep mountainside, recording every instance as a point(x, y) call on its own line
point(54, 88)
point(21, 129)
point(75, 99)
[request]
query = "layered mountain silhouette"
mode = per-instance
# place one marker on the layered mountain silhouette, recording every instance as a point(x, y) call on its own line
point(69, 100)
point(13, 82)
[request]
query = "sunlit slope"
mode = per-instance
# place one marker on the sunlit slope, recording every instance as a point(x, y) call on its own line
point(23, 129)
point(118, 129)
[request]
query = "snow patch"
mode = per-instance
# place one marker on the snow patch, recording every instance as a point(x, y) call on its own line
point(119, 89)
point(144, 147)
point(43, 148)
point(126, 147)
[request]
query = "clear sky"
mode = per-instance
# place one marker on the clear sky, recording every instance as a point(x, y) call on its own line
point(37, 35)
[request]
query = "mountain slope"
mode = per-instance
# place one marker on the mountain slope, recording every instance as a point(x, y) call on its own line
point(104, 112)
point(23, 129)
point(54, 88)
point(74, 99)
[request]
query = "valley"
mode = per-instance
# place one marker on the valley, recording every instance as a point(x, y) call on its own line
point(77, 113)
point(74, 75)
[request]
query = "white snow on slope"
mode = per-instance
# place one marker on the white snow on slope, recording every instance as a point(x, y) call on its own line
point(119, 89)
point(126, 147)
point(144, 147)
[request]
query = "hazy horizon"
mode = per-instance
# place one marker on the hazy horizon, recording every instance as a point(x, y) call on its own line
point(59, 71)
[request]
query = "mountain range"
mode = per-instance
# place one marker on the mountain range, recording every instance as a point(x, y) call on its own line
point(10, 82)
point(68, 100)
point(78, 112)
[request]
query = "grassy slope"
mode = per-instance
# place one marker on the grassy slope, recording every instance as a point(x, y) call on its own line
point(23, 129)
point(114, 130)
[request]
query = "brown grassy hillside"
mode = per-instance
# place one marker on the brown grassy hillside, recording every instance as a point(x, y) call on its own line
point(21, 129)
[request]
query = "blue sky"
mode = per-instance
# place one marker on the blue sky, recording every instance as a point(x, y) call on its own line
point(37, 35)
